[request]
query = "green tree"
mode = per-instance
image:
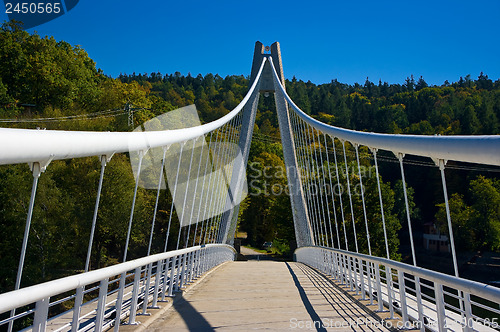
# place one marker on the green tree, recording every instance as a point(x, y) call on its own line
point(486, 203)
point(462, 217)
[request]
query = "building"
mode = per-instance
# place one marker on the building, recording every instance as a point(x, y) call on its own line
point(433, 240)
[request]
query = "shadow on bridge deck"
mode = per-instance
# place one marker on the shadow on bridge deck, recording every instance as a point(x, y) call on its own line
point(264, 295)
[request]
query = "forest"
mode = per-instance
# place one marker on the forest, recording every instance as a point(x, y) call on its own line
point(51, 84)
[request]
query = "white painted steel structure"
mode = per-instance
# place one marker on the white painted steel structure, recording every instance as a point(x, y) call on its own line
point(171, 271)
point(435, 301)
point(28, 145)
point(161, 274)
point(437, 307)
point(426, 299)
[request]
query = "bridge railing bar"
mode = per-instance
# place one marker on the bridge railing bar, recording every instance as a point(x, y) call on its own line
point(441, 293)
point(199, 260)
point(29, 145)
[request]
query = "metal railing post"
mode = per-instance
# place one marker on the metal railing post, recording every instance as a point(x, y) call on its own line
point(402, 296)
point(158, 276)
point(101, 305)
point(468, 313)
point(173, 261)
point(76, 309)
point(390, 287)
point(379, 288)
point(119, 301)
point(41, 312)
point(135, 296)
point(146, 289)
point(165, 279)
point(420, 309)
point(440, 309)
point(362, 279)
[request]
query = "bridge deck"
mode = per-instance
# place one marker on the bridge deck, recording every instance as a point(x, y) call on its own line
point(264, 295)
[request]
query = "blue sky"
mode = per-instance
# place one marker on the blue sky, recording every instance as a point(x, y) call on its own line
point(320, 40)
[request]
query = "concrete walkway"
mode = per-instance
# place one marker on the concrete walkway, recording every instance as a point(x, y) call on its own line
point(265, 295)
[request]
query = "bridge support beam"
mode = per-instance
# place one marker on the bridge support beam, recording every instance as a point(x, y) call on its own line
point(231, 205)
point(303, 230)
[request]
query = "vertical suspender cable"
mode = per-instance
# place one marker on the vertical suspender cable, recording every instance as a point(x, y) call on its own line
point(36, 175)
point(141, 156)
point(307, 188)
point(400, 157)
point(350, 197)
point(226, 173)
point(324, 188)
point(211, 207)
point(157, 199)
point(374, 151)
point(363, 200)
point(96, 208)
point(196, 189)
point(181, 219)
point(315, 207)
point(319, 191)
point(448, 216)
point(304, 174)
point(218, 190)
point(340, 192)
point(174, 192)
point(203, 189)
point(208, 204)
point(194, 193)
point(332, 190)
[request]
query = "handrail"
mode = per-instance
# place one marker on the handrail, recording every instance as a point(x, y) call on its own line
point(31, 145)
point(27, 295)
point(479, 289)
point(483, 149)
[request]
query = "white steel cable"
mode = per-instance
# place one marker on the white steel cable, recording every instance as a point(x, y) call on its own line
point(319, 199)
point(196, 189)
point(327, 207)
point(314, 205)
point(340, 191)
point(29, 145)
point(96, 208)
point(299, 148)
point(332, 191)
point(226, 178)
point(320, 192)
point(157, 199)
point(448, 216)
point(400, 157)
point(203, 189)
point(181, 219)
point(141, 157)
point(350, 197)
point(173, 196)
point(474, 149)
point(374, 151)
point(304, 174)
point(363, 200)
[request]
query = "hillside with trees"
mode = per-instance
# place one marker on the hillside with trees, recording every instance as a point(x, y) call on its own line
point(49, 84)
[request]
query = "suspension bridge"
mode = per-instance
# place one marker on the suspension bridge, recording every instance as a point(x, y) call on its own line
point(332, 283)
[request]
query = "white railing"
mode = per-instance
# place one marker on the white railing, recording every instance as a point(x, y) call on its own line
point(113, 293)
point(30, 145)
point(425, 299)
point(39, 147)
point(474, 149)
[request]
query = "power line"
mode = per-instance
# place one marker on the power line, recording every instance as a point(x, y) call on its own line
point(90, 116)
